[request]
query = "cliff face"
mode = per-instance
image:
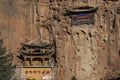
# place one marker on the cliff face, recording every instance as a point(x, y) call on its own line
point(84, 52)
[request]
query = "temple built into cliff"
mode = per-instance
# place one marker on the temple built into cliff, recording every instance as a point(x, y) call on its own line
point(38, 54)
point(81, 34)
point(38, 61)
point(39, 58)
point(82, 15)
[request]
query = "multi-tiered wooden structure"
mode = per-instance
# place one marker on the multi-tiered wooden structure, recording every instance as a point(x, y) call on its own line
point(36, 54)
point(38, 61)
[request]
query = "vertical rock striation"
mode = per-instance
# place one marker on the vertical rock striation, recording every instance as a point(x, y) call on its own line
point(84, 52)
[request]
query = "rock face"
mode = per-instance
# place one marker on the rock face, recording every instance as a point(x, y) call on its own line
point(84, 52)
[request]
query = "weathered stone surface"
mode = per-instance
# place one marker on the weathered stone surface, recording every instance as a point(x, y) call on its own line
point(84, 52)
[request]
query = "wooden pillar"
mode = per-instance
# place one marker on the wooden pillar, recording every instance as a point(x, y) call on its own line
point(31, 61)
point(43, 61)
point(26, 61)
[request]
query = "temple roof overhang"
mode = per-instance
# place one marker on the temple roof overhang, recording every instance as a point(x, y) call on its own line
point(40, 45)
point(38, 49)
point(82, 9)
point(37, 54)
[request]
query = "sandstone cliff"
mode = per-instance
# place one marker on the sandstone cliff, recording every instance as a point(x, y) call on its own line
point(84, 52)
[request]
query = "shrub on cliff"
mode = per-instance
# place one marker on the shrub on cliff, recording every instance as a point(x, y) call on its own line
point(6, 67)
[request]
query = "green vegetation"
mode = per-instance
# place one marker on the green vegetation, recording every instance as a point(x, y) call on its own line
point(6, 67)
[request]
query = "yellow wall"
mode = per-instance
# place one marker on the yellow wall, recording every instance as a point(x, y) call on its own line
point(36, 72)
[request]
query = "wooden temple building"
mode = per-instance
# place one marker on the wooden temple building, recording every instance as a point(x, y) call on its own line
point(38, 58)
point(38, 61)
point(36, 54)
point(82, 15)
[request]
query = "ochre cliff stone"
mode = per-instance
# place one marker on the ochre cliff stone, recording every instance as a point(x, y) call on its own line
point(84, 52)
